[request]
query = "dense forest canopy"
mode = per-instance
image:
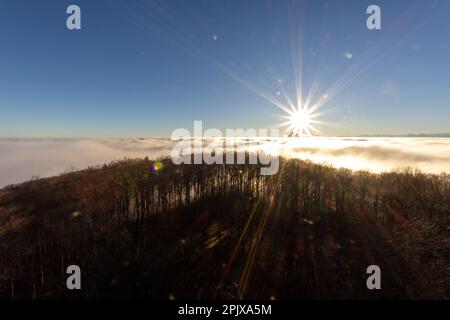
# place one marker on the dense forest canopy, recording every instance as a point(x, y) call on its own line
point(139, 228)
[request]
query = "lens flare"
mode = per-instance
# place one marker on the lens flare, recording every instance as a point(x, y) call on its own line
point(157, 166)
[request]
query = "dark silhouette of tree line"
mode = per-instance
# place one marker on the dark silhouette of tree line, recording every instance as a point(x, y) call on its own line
point(225, 231)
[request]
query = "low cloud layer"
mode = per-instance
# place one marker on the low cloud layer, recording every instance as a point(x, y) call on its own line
point(376, 154)
point(21, 159)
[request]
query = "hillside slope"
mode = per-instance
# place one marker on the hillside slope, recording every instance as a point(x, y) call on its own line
point(225, 232)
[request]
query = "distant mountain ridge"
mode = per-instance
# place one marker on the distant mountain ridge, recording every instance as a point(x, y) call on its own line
point(410, 135)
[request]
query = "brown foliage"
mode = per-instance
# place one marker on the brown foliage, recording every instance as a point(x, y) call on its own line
point(225, 231)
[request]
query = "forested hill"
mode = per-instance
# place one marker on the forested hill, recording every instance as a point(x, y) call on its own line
point(140, 229)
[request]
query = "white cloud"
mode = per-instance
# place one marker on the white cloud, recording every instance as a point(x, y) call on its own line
point(21, 159)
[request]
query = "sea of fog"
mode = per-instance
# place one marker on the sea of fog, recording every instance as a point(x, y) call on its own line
point(22, 159)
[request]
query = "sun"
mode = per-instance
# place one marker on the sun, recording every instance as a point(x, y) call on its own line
point(300, 121)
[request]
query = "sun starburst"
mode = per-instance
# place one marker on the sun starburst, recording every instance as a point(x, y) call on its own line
point(300, 121)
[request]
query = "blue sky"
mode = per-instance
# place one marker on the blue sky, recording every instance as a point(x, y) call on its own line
point(144, 68)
